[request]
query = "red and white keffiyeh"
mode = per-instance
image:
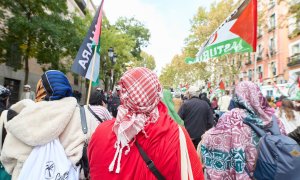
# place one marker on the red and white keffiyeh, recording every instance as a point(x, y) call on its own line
point(140, 92)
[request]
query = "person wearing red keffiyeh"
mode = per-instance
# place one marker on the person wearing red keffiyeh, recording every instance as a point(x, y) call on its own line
point(142, 117)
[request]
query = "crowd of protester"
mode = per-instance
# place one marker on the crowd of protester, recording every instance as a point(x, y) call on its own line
point(143, 131)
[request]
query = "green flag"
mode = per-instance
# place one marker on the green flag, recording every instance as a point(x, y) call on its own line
point(236, 34)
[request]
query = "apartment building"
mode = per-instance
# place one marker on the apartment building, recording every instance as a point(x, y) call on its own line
point(278, 45)
point(15, 79)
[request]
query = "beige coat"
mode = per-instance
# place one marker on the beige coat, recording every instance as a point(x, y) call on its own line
point(177, 103)
point(40, 123)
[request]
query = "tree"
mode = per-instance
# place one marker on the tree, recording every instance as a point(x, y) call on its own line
point(41, 30)
point(203, 24)
point(122, 44)
point(178, 72)
point(147, 61)
point(136, 31)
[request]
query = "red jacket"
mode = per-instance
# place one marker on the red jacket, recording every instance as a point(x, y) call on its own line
point(162, 146)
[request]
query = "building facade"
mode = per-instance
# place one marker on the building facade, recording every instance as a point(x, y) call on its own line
point(15, 79)
point(278, 45)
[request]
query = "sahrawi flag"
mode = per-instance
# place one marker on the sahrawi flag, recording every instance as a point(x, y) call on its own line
point(236, 34)
point(83, 61)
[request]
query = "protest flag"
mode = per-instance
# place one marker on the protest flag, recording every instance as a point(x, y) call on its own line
point(238, 33)
point(87, 61)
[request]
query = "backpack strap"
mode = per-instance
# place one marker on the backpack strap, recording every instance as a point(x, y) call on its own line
point(96, 116)
point(149, 163)
point(275, 130)
point(83, 162)
point(260, 132)
point(83, 120)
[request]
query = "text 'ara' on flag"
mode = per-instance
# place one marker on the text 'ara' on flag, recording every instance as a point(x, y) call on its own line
point(83, 63)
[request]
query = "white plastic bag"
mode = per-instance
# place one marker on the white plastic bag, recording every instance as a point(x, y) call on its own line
point(48, 162)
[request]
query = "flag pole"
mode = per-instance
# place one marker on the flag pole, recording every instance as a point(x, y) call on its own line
point(91, 78)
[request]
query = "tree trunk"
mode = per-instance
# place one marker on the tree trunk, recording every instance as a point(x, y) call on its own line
point(26, 59)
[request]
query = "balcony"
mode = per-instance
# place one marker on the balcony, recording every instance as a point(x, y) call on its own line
point(271, 53)
point(294, 60)
point(272, 28)
point(248, 63)
point(259, 58)
point(295, 32)
point(82, 5)
point(259, 35)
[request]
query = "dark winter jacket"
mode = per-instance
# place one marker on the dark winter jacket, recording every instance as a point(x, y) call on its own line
point(197, 116)
point(295, 135)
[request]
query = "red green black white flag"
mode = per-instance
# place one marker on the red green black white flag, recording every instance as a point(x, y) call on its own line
point(237, 34)
point(83, 62)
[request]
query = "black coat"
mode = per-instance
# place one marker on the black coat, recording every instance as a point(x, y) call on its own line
point(295, 135)
point(197, 116)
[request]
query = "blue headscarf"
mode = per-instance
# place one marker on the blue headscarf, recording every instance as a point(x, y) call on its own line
point(56, 85)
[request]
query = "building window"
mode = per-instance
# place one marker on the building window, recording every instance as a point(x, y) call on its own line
point(273, 69)
point(270, 93)
point(82, 5)
point(248, 59)
point(250, 75)
point(294, 59)
point(260, 73)
point(259, 31)
point(296, 49)
point(272, 22)
point(14, 86)
point(260, 52)
point(272, 46)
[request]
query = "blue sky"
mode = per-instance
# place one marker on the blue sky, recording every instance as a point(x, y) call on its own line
point(168, 21)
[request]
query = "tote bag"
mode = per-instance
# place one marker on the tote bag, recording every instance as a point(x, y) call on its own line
point(48, 161)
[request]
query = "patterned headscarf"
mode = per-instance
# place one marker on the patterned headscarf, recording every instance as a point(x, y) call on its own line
point(40, 91)
point(248, 96)
point(233, 142)
point(140, 93)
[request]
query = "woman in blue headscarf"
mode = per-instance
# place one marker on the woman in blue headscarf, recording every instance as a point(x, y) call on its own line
point(56, 117)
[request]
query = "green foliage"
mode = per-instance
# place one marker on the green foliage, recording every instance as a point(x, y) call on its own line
point(295, 9)
point(46, 31)
point(136, 31)
point(148, 61)
point(203, 24)
point(122, 44)
point(38, 29)
point(178, 72)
